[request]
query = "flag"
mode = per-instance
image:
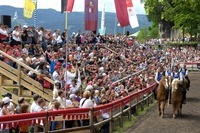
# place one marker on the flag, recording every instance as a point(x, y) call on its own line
point(91, 15)
point(126, 13)
point(15, 16)
point(121, 11)
point(63, 5)
point(70, 5)
point(29, 7)
point(131, 14)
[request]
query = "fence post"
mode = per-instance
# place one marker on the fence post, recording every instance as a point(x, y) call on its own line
point(121, 117)
point(129, 112)
point(92, 120)
point(111, 121)
point(19, 79)
point(136, 108)
point(142, 102)
point(46, 128)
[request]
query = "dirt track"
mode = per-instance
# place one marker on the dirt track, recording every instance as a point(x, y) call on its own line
point(189, 122)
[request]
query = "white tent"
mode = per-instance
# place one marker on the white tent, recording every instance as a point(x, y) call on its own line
point(134, 35)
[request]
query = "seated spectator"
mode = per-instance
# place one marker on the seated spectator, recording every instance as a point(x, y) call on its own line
point(34, 103)
point(21, 101)
point(56, 125)
point(60, 98)
point(41, 105)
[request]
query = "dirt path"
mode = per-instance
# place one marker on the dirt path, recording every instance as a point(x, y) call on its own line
point(188, 123)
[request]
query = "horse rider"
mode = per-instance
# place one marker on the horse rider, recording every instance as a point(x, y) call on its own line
point(168, 71)
point(184, 72)
point(176, 74)
point(160, 72)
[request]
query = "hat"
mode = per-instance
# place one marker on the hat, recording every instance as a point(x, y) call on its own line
point(68, 66)
point(56, 67)
point(9, 53)
point(7, 95)
point(71, 96)
point(73, 33)
point(8, 46)
point(15, 46)
point(25, 26)
point(6, 100)
point(1, 45)
point(58, 64)
point(89, 88)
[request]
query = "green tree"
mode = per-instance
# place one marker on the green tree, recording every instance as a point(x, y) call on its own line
point(143, 34)
point(178, 14)
point(154, 32)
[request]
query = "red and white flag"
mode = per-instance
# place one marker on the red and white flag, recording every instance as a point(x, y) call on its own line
point(126, 13)
point(121, 11)
point(131, 14)
point(70, 5)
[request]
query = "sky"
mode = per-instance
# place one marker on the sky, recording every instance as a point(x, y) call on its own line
point(78, 5)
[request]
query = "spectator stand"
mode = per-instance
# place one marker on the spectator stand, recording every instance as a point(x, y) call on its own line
point(191, 66)
point(45, 118)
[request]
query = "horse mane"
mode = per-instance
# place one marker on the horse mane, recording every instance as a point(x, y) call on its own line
point(175, 83)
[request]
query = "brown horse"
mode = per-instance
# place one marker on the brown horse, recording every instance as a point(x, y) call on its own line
point(177, 94)
point(176, 98)
point(162, 94)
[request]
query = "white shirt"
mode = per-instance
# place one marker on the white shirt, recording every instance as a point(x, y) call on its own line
point(68, 77)
point(87, 103)
point(55, 76)
point(33, 107)
point(14, 37)
point(40, 33)
point(68, 103)
point(55, 93)
point(38, 108)
point(61, 101)
point(3, 32)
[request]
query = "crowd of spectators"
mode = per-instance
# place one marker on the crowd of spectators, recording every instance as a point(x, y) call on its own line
point(88, 66)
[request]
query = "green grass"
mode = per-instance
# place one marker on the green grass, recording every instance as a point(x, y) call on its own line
point(127, 124)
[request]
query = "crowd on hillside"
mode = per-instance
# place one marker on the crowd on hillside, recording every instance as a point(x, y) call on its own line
point(88, 66)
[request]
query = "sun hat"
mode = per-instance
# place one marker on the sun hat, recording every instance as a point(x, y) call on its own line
point(6, 100)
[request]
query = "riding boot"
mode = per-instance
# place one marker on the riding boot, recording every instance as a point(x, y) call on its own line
point(170, 97)
point(155, 91)
point(187, 78)
point(184, 97)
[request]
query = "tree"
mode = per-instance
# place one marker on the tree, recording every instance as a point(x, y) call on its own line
point(154, 32)
point(143, 34)
point(178, 14)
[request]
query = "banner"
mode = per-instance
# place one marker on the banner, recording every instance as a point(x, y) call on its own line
point(63, 5)
point(91, 15)
point(131, 14)
point(29, 7)
point(70, 5)
point(121, 11)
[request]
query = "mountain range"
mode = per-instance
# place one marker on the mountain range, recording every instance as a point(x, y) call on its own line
point(52, 19)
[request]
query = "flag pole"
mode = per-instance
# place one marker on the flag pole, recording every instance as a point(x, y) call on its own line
point(66, 20)
point(35, 14)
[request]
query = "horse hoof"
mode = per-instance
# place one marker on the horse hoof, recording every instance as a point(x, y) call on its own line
point(162, 116)
point(174, 116)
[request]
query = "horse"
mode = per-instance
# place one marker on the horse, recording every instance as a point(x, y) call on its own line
point(162, 94)
point(176, 97)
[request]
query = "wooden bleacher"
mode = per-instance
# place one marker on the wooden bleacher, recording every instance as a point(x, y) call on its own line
point(19, 84)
